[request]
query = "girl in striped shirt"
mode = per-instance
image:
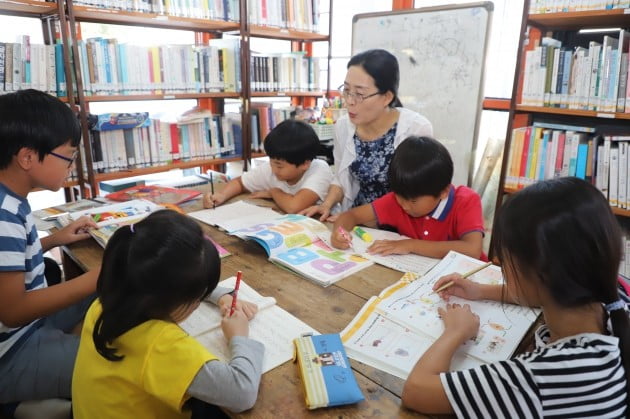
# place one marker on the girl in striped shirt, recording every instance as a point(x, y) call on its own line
point(560, 247)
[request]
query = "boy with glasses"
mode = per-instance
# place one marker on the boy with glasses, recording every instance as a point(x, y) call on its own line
point(39, 140)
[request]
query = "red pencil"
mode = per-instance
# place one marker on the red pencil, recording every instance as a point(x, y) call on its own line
point(239, 274)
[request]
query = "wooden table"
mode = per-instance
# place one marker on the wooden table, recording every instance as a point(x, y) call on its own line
point(328, 310)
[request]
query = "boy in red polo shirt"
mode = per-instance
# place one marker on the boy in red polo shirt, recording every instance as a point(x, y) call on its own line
point(423, 205)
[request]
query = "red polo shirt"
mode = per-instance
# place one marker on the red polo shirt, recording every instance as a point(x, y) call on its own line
point(460, 213)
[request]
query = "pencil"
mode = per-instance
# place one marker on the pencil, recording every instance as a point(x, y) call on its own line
point(466, 275)
point(212, 189)
point(347, 237)
point(239, 274)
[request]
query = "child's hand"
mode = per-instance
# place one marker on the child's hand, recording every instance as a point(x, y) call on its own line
point(318, 209)
point(338, 240)
point(235, 325)
point(75, 231)
point(225, 303)
point(389, 247)
point(211, 201)
point(462, 287)
point(459, 321)
point(261, 194)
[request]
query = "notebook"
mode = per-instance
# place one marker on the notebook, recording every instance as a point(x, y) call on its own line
point(273, 327)
point(395, 328)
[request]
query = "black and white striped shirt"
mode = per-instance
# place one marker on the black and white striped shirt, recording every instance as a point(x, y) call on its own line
point(578, 376)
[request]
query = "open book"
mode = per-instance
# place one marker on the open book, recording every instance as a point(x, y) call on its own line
point(46, 218)
point(109, 218)
point(272, 326)
point(393, 330)
point(232, 217)
point(293, 242)
point(154, 193)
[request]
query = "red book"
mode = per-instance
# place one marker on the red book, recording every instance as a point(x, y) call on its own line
point(154, 193)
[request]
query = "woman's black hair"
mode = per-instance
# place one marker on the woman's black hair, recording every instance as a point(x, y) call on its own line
point(421, 166)
point(564, 232)
point(382, 66)
point(150, 270)
point(36, 120)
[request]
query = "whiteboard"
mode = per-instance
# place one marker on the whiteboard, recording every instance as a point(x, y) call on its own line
point(441, 52)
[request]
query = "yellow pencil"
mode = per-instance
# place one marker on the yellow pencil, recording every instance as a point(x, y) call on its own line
point(466, 275)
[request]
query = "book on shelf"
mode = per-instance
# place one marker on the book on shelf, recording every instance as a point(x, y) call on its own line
point(273, 326)
point(155, 193)
point(293, 242)
point(395, 328)
point(110, 218)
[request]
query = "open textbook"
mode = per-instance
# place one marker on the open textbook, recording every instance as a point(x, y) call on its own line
point(231, 217)
point(293, 241)
point(46, 218)
point(273, 327)
point(109, 218)
point(393, 330)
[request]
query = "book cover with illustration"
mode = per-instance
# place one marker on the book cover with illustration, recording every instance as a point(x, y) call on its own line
point(293, 242)
point(393, 330)
point(154, 193)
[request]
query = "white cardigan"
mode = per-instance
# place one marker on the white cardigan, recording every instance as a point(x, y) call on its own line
point(409, 123)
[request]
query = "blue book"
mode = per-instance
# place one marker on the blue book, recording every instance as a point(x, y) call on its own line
point(59, 71)
point(580, 169)
point(542, 155)
point(113, 121)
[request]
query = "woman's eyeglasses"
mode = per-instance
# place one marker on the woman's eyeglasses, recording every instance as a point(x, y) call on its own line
point(356, 97)
point(70, 160)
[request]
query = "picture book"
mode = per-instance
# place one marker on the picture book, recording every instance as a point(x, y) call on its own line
point(273, 327)
point(364, 237)
point(293, 242)
point(111, 217)
point(231, 217)
point(45, 218)
point(326, 373)
point(154, 193)
point(393, 330)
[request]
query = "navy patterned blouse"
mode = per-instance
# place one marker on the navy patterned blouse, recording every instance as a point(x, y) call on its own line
point(371, 166)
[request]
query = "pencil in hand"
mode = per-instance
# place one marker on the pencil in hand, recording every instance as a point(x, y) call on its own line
point(346, 237)
point(239, 274)
point(466, 275)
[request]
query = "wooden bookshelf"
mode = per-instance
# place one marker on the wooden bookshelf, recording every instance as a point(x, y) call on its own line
point(168, 96)
point(286, 34)
point(123, 17)
point(572, 112)
point(289, 94)
point(27, 8)
point(579, 20)
point(164, 168)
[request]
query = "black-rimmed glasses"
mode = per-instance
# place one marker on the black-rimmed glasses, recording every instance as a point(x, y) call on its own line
point(356, 97)
point(70, 160)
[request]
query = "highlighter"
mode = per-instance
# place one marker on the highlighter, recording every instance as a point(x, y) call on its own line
point(363, 235)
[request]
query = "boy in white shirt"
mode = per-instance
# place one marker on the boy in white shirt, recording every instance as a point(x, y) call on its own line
point(294, 178)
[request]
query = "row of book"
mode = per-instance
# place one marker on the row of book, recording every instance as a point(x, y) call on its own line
point(292, 71)
point(227, 10)
point(133, 140)
point(593, 78)
point(557, 6)
point(112, 68)
point(547, 151)
point(24, 65)
point(292, 14)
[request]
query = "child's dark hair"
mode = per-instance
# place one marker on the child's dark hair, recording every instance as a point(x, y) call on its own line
point(420, 166)
point(35, 120)
point(382, 66)
point(151, 269)
point(564, 232)
point(293, 141)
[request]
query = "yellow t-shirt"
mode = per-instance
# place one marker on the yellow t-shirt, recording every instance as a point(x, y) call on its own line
point(160, 361)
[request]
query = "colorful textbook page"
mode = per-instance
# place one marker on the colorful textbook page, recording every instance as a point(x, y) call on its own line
point(326, 373)
point(154, 193)
point(232, 217)
point(293, 241)
point(403, 263)
point(393, 330)
point(273, 327)
point(110, 218)
point(46, 218)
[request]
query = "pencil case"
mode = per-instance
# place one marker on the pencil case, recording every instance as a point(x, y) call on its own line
point(326, 373)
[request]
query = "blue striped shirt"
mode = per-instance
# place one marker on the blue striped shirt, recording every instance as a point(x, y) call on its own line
point(20, 251)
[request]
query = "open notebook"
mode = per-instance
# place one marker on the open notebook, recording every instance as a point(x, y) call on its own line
point(274, 327)
point(231, 217)
point(293, 242)
point(393, 330)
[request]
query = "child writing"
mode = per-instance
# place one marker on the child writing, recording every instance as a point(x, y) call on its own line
point(134, 360)
point(39, 140)
point(422, 205)
point(294, 178)
point(559, 246)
